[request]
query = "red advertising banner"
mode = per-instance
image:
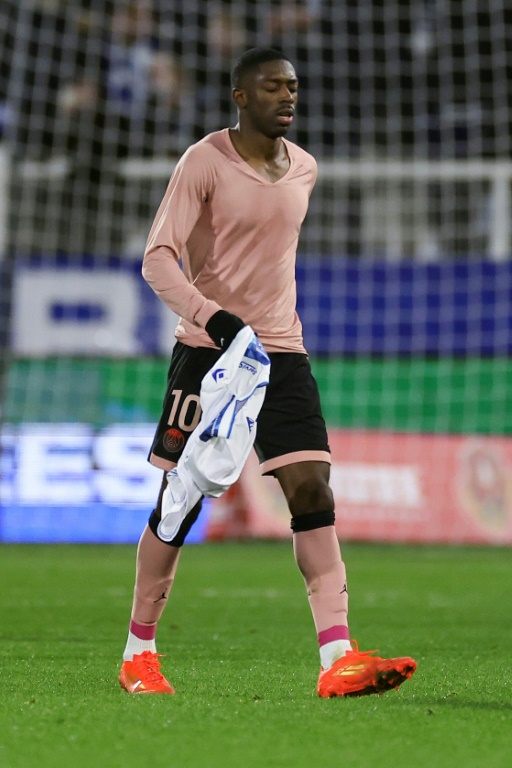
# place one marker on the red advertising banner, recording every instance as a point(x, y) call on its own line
point(391, 487)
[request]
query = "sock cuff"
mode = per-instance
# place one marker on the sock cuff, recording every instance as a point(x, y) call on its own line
point(143, 631)
point(332, 634)
point(312, 521)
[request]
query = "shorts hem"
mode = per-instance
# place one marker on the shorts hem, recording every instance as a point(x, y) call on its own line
point(157, 461)
point(293, 458)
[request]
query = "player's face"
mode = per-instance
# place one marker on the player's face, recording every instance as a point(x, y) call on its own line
point(270, 98)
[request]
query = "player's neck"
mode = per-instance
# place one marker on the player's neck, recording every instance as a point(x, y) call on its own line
point(253, 145)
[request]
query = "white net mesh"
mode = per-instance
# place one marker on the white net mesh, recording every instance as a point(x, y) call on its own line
point(404, 271)
point(101, 96)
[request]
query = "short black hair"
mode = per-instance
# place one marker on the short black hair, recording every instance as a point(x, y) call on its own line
point(251, 59)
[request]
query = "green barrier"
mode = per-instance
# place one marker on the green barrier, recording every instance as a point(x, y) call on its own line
point(94, 391)
point(417, 395)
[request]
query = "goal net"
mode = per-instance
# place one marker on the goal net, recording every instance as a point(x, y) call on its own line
point(404, 271)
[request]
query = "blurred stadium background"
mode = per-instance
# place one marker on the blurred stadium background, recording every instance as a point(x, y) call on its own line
point(404, 268)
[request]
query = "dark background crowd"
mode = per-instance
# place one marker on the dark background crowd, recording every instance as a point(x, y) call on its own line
point(146, 76)
point(99, 81)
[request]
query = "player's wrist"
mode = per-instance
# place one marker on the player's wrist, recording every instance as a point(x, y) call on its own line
point(222, 328)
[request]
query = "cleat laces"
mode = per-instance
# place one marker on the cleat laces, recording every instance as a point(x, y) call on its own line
point(355, 647)
point(147, 667)
point(367, 654)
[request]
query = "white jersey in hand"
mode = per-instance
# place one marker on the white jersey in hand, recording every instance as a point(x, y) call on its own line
point(232, 393)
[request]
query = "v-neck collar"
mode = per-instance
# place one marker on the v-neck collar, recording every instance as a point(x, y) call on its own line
point(239, 159)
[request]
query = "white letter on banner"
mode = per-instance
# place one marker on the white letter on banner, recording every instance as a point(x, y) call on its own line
point(122, 472)
point(54, 464)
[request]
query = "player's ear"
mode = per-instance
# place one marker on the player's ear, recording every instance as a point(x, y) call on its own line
point(239, 97)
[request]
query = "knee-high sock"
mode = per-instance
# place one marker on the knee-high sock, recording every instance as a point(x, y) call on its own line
point(156, 567)
point(318, 556)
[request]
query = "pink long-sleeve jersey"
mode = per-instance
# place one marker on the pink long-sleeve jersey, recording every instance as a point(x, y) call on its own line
point(236, 234)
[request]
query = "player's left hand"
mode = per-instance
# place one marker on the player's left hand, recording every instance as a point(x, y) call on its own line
point(222, 327)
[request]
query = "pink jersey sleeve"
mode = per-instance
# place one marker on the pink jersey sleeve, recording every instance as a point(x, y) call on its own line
point(176, 217)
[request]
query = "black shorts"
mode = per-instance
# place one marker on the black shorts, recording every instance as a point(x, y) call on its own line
point(290, 429)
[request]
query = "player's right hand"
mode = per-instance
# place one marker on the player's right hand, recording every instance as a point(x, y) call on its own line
point(222, 327)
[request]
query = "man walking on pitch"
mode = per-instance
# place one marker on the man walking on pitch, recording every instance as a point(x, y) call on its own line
point(232, 213)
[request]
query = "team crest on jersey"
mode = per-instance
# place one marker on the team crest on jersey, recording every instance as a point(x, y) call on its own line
point(173, 440)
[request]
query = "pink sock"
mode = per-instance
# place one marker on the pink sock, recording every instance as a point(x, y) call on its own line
point(318, 556)
point(143, 631)
point(333, 634)
point(334, 644)
point(141, 637)
point(156, 567)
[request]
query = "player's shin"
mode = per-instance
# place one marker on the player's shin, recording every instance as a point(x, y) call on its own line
point(156, 567)
point(318, 557)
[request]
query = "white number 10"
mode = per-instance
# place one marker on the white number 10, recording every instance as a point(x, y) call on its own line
point(186, 421)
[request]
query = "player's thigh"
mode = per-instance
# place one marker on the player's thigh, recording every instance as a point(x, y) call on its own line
point(291, 428)
point(181, 411)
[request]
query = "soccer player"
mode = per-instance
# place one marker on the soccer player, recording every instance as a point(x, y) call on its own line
point(232, 214)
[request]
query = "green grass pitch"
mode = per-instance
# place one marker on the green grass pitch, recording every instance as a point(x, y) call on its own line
point(241, 651)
